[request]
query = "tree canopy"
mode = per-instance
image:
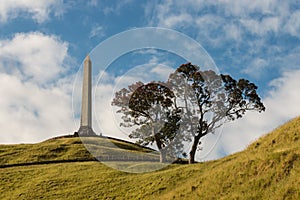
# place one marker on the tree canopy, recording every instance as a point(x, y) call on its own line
point(152, 108)
point(188, 106)
point(208, 100)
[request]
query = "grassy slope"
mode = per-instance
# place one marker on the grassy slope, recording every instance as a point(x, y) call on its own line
point(56, 149)
point(267, 169)
point(64, 148)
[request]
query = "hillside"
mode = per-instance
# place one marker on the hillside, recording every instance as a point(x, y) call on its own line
point(74, 149)
point(268, 169)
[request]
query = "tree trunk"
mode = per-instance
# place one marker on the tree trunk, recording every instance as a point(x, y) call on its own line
point(194, 149)
point(162, 157)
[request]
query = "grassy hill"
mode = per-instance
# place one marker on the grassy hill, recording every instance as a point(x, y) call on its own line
point(68, 148)
point(268, 169)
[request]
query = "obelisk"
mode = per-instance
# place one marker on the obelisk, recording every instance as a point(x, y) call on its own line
point(86, 104)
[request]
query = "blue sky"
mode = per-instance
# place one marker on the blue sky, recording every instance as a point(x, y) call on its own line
point(43, 43)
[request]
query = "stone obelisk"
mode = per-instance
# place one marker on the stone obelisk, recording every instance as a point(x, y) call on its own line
point(86, 104)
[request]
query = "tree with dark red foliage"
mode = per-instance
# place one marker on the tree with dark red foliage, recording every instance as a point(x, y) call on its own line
point(152, 108)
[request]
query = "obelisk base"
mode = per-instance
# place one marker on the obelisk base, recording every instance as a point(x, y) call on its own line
point(86, 131)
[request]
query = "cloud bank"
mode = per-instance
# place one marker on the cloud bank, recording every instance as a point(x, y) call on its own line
point(37, 94)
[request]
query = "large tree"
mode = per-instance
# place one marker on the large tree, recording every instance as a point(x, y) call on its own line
point(208, 100)
point(152, 109)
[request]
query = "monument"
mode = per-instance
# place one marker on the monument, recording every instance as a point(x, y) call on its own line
point(86, 104)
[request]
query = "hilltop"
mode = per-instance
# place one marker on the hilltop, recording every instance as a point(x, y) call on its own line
point(268, 169)
point(73, 149)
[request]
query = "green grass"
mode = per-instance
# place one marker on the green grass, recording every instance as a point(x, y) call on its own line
point(69, 148)
point(268, 169)
point(55, 149)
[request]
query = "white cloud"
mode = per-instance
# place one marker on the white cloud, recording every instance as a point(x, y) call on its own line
point(174, 20)
point(97, 31)
point(244, 7)
point(93, 2)
point(33, 56)
point(116, 8)
point(162, 71)
point(293, 24)
point(32, 110)
point(37, 10)
point(285, 98)
point(256, 67)
point(266, 25)
point(30, 113)
point(211, 29)
point(233, 32)
point(290, 60)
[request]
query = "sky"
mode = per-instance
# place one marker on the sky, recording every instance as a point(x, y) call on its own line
point(43, 44)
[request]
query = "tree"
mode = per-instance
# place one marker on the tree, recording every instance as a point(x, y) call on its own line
point(208, 100)
point(152, 108)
